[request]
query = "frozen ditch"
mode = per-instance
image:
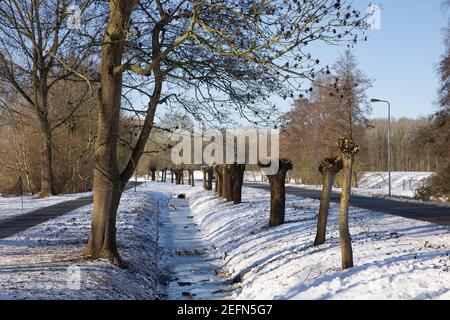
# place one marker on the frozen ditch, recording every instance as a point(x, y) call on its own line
point(192, 275)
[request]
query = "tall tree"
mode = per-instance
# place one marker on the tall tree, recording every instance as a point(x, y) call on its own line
point(33, 35)
point(351, 112)
point(337, 106)
point(218, 55)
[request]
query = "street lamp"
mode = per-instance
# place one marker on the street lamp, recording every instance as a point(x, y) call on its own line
point(388, 138)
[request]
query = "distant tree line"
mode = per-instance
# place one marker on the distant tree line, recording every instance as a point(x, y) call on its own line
point(407, 153)
point(313, 125)
point(436, 135)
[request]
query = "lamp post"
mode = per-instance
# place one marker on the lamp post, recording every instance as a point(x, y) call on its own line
point(388, 138)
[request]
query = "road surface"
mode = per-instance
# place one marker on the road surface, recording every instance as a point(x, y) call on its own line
point(11, 226)
point(411, 210)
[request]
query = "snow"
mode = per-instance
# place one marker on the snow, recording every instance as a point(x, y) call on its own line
point(185, 254)
point(39, 262)
point(12, 207)
point(399, 180)
point(403, 184)
point(395, 258)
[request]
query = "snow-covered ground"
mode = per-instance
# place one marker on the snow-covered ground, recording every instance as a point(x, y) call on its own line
point(395, 258)
point(399, 180)
point(403, 184)
point(12, 206)
point(44, 262)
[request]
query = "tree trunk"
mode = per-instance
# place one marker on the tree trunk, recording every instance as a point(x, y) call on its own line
point(178, 176)
point(238, 181)
point(278, 193)
point(153, 172)
point(205, 181)
point(108, 185)
point(354, 179)
point(228, 182)
point(344, 233)
point(348, 150)
point(329, 167)
point(41, 102)
point(219, 179)
point(47, 182)
point(192, 178)
point(171, 175)
point(225, 181)
point(210, 172)
point(277, 200)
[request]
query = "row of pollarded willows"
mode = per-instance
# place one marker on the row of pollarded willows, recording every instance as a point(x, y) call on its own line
point(177, 175)
point(230, 178)
point(229, 182)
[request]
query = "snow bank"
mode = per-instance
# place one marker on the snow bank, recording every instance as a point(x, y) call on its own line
point(44, 262)
point(395, 258)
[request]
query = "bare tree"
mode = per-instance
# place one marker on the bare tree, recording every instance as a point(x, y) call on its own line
point(33, 37)
point(220, 69)
point(352, 107)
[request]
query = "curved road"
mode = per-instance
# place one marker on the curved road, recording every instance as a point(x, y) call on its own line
point(411, 210)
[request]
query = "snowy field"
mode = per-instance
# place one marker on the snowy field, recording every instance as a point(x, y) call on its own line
point(44, 262)
point(404, 184)
point(395, 258)
point(12, 206)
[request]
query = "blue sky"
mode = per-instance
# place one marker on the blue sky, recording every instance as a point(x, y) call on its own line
point(401, 57)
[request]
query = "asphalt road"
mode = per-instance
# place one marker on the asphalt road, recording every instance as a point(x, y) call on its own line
point(412, 210)
point(11, 226)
